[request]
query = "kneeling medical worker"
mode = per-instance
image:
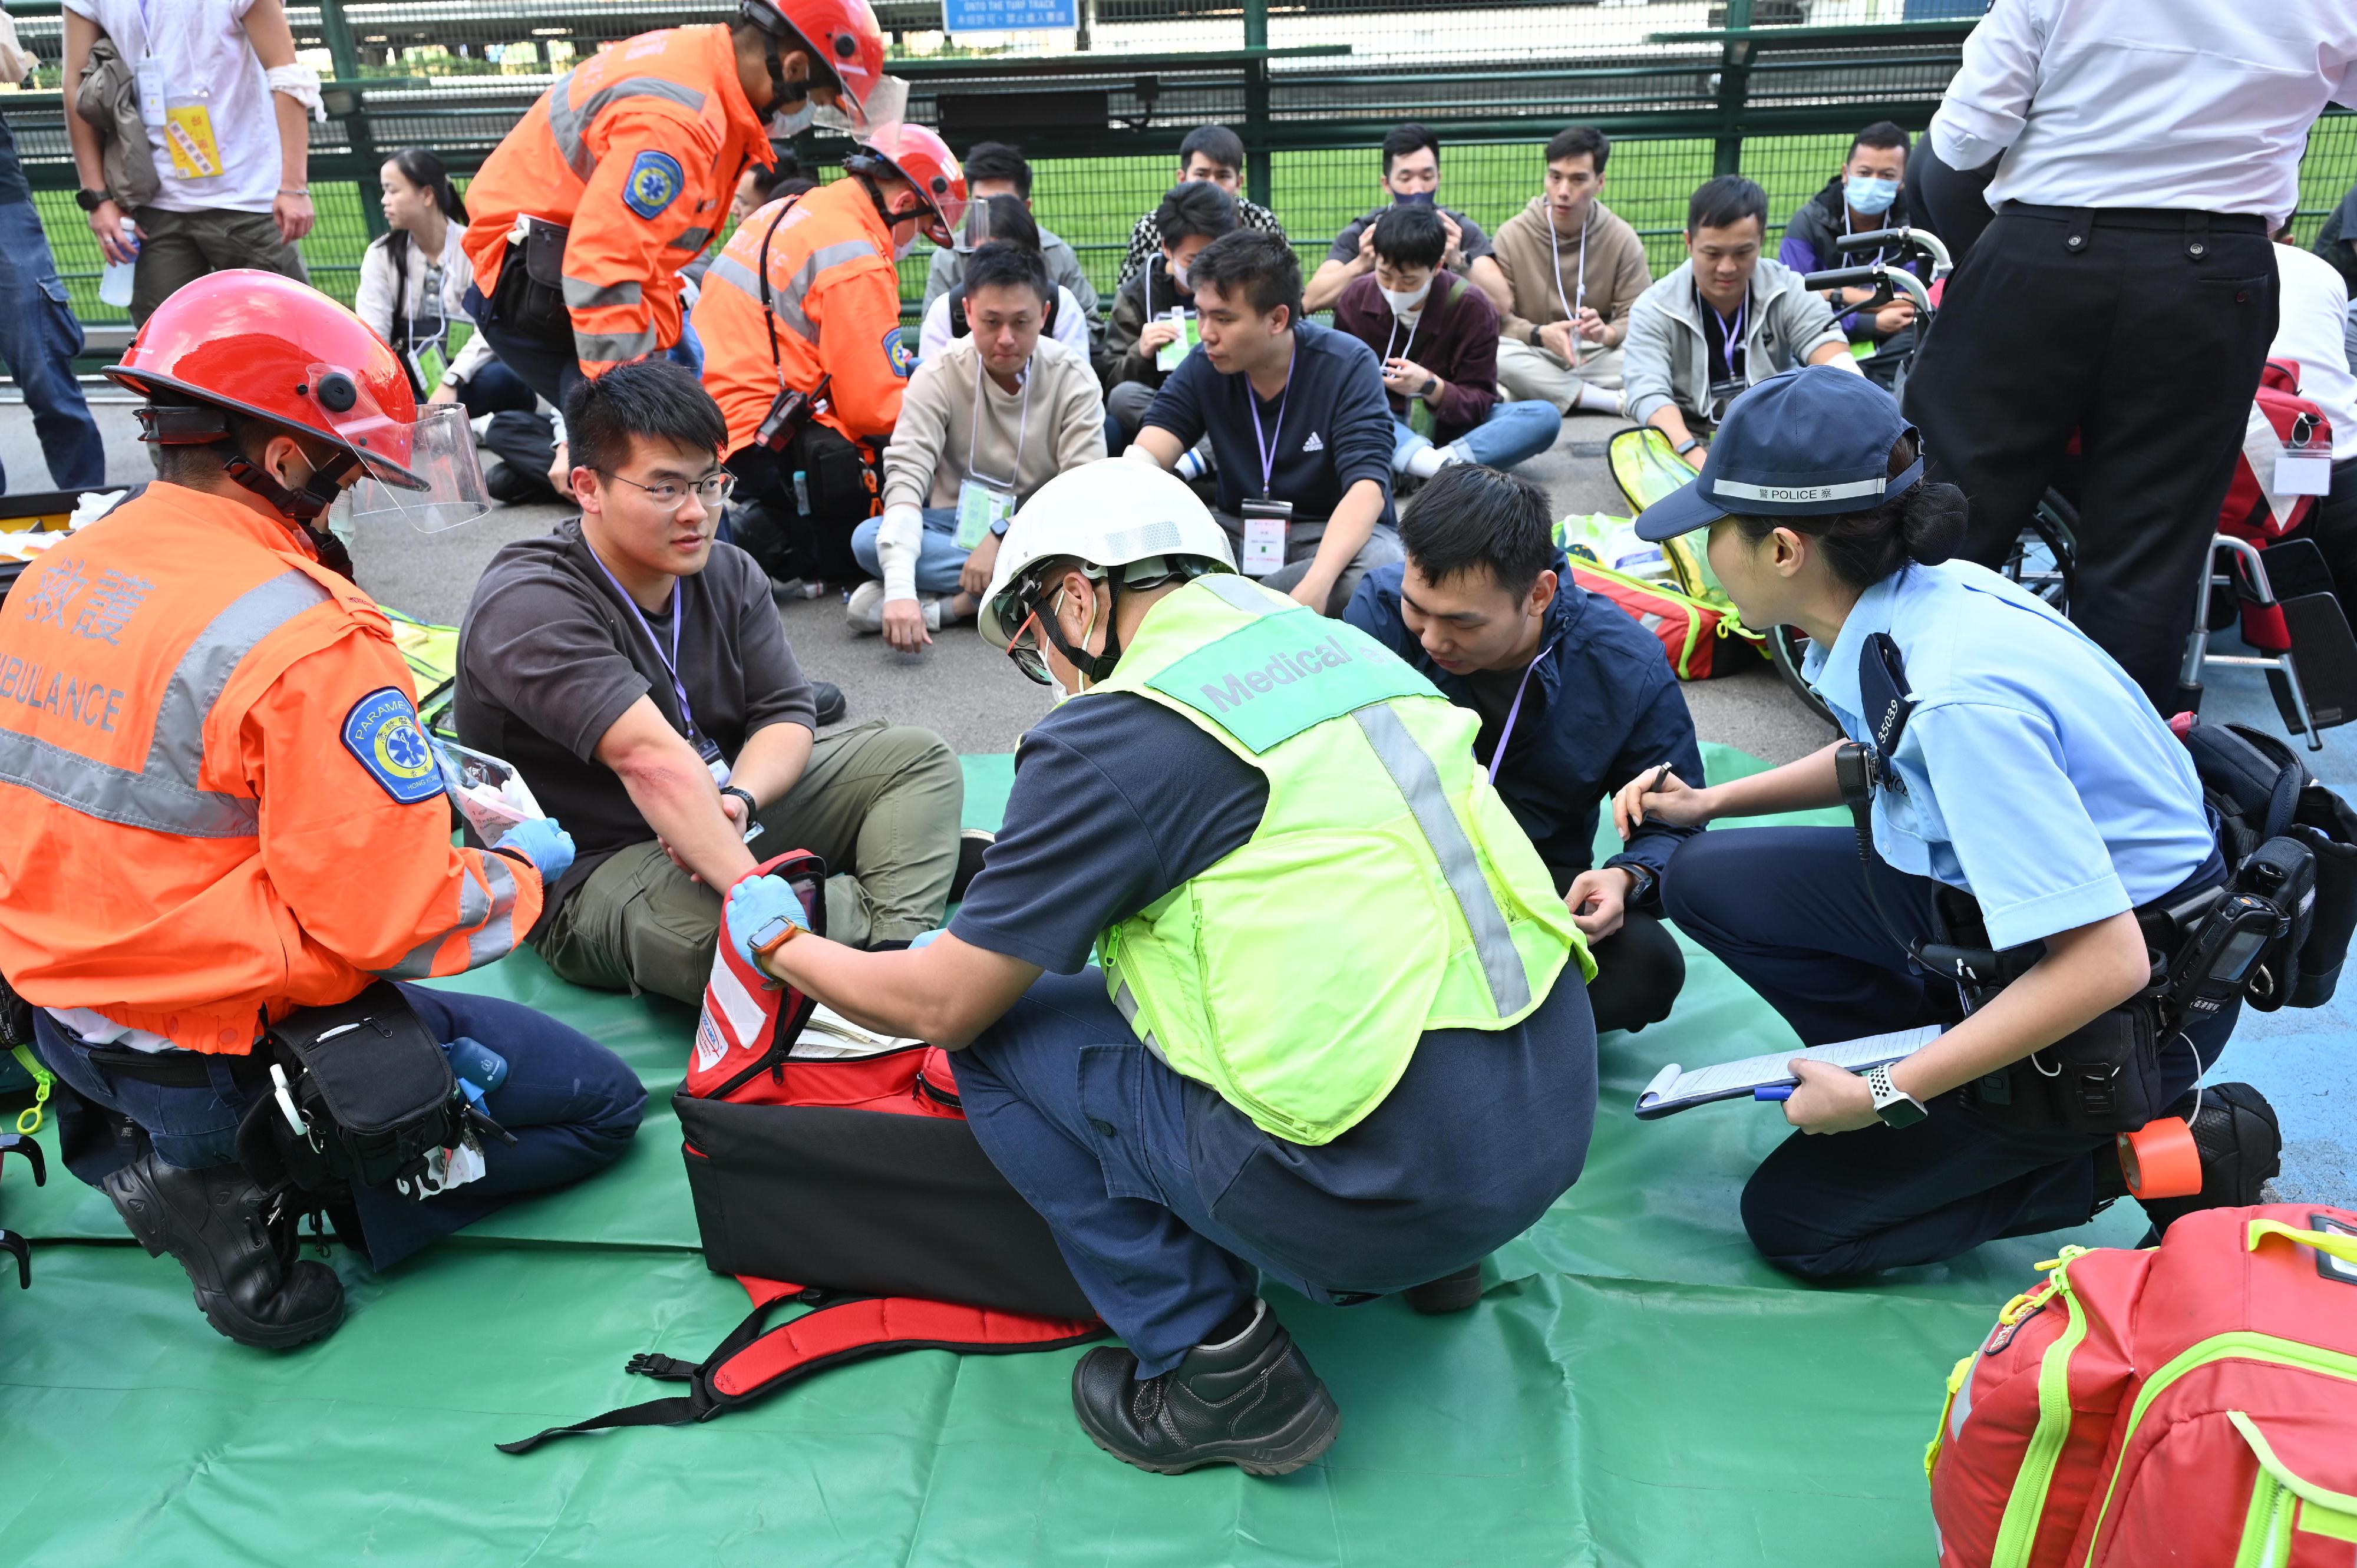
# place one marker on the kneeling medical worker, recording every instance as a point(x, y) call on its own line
point(1341, 1035)
point(2009, 761)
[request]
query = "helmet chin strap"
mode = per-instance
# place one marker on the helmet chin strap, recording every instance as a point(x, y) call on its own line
point(1095, 667)
point(784, 94)
point(317, 494)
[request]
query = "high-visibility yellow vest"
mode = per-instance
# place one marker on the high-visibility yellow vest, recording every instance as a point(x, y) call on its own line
point(1387, 892)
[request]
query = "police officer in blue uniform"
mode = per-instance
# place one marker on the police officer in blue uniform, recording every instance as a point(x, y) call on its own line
point(2021, 783)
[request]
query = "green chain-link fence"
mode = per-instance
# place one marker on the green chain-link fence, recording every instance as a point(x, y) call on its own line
point(1688, 88)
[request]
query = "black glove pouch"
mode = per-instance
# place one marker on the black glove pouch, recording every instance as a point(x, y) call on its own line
point(2102, 1078)
point(373, 1090)
point(529, 299)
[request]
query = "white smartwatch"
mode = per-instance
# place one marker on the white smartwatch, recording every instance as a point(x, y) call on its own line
point(1894, 1105)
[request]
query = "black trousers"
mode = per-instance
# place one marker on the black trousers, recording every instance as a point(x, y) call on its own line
point(1639, 973)
point(1786, 909)
point(2142, 331)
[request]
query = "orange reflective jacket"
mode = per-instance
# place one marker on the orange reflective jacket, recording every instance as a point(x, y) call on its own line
point(637, 151)
point(835, 297)
point(218, 802)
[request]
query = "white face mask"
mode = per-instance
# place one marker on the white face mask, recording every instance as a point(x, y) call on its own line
point(1177, 271)
point(793, 122)
point(907, 248)
point(1402, 301)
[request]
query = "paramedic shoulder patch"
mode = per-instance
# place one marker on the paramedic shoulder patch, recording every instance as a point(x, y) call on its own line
point(655, 183)
point(897, 355)
point(382, 733)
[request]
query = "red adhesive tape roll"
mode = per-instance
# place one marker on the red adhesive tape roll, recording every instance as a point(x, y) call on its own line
point(2159, 1160)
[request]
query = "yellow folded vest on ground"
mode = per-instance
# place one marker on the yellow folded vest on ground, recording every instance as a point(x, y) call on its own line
point(1387, 892)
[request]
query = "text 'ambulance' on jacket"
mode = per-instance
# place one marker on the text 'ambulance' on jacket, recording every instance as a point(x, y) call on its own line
point(637, 151)
point(220, 805)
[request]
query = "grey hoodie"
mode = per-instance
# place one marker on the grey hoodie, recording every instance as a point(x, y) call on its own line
point(1663, 360)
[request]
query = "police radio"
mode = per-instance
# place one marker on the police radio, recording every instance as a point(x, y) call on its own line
point(2272, 894)
point(790, 414)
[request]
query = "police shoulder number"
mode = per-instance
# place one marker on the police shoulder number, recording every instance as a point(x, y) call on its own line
point(383, 735)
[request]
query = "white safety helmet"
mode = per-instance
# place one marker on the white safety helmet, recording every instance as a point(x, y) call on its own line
point(1130, 524)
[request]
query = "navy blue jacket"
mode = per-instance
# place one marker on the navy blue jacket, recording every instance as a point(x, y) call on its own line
point(1601, 708)
point(1337, 427)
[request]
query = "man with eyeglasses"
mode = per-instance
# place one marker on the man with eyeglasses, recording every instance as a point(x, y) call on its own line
point(636, 674)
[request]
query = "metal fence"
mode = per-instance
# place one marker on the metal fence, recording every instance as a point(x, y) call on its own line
point(1688, 88)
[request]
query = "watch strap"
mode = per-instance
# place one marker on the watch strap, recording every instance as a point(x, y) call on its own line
point(765, 941)
point(751, 805)
point(1894, 1105)
point(1688, 445)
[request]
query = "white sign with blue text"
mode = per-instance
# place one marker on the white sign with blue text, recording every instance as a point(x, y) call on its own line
point(1006, 15)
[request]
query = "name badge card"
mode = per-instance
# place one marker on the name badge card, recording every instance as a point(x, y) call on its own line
point(980, 508)
point(1266, 522)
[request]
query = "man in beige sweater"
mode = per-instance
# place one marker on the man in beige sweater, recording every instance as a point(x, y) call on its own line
point(1574, 270)
point(966, 453)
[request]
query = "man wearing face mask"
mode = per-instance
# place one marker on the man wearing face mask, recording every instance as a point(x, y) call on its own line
point(1864, 195)
point(801, 322)
point(1339, 1039)
point(1411, 179)
point(619, 176)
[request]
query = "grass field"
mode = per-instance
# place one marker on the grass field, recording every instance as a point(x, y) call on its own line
point(1092, 202)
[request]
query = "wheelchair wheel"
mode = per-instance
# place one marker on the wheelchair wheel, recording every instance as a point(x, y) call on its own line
point(2043, 560)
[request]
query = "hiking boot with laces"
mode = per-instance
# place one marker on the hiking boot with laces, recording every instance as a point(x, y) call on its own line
point(220, 1226)
point(1252, 1402)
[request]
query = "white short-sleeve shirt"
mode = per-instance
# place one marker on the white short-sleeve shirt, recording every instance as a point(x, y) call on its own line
point(211, 66)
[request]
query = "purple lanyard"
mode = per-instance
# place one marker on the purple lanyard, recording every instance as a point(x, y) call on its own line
point(1730, 335)
point(1268, 443)
point(1498, 752)
point(670, 664)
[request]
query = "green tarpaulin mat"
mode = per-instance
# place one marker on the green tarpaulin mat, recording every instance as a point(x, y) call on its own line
point(1636, 1387)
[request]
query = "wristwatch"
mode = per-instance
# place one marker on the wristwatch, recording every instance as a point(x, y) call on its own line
point(746, 795)
point(91, 200)
point(1894, 1105)
point(771, 935)
point(1641, 881)
point(1688, 445)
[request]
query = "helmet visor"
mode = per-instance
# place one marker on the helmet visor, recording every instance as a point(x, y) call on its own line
point(437, 483)
point(887, 106)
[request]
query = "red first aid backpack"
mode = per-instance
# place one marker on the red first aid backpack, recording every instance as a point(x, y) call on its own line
point(2195, 1403)
point(857, 1174)
point(2280, 417)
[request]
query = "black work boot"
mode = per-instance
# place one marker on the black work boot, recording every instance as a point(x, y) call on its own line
point(1449, 1293)
point(1252, 1402)
point(248, 1282)
point(2241, 1149)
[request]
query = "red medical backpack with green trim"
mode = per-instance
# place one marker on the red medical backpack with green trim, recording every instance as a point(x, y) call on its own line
point(2195, 1403)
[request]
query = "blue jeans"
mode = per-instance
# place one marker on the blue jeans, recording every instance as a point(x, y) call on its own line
point(1514, 430)
point(939, 559)
point(572, 1104)
point(40, 337)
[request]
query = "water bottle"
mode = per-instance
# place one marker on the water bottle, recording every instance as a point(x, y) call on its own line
point(114, 288)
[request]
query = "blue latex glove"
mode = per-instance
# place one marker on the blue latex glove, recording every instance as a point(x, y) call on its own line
point(546, 846)
point(929, 938)
point(753, 907)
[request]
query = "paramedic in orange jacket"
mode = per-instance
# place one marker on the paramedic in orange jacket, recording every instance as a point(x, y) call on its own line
point(830, 331)
point(632, 158)
point(221, 809)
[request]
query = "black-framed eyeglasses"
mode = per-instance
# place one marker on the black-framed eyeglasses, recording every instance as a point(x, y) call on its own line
point(712, 490)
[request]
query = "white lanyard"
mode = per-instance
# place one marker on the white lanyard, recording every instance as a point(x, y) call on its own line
point(973, 434)
point(1571, 308)
point(1395, 332)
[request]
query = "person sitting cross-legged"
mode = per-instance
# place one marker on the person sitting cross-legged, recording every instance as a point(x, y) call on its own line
point(1435, 336)
point(987, 421)
point(634, 670)
point(1575, 699)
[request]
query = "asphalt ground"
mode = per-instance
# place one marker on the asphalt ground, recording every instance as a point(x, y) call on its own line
point(966, 693)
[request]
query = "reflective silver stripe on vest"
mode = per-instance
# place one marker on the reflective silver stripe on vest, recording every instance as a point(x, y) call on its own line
point(164, 796)
point(568, 125)
point(731, 271)
point(1127, 1004)
point(1411, 768)
point(489, 921)
point(580, 293)
point(690, 240)
point(612, 349)
point(1240, 593)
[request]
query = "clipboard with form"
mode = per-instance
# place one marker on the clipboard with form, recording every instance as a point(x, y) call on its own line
point(1677, 1088)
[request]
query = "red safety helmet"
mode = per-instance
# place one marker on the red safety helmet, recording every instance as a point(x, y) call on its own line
point(255, 343)
point(918, 155)
point(843, 39)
